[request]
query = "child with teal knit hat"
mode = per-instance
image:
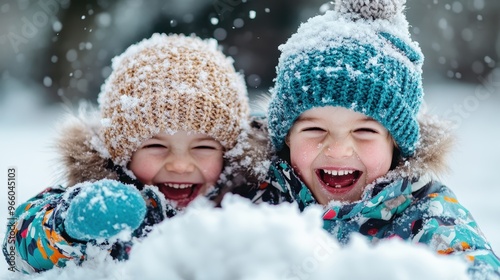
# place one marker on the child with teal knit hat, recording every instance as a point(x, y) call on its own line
point(345, 122)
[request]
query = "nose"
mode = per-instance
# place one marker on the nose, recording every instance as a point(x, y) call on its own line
point(179, 163)
point(338, 148)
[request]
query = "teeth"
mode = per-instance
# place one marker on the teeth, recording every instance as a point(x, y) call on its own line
point(336, 186)
point(178, 186)
point(338, 172)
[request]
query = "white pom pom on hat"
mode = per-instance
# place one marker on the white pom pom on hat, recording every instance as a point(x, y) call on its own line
point(370, 9)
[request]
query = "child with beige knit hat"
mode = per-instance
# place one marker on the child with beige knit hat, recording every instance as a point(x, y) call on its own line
point(173, 125)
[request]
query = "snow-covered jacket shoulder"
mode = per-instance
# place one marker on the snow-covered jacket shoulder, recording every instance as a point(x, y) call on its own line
point(40, 239)
point(407, 203)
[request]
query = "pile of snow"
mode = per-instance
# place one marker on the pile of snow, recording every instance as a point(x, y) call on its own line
point(246, 241)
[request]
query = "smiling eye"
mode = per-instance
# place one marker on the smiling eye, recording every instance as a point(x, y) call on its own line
point(205, 147)
point(151, 146)
point(313, 128)
point(366, 130)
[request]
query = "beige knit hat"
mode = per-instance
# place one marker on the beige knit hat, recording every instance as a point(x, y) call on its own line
point(169, 83)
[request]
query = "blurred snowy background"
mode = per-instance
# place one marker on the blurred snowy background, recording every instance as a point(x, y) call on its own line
point(54, 53)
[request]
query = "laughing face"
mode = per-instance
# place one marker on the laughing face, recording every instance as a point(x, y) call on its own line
point(338, 152)
point(182, 166)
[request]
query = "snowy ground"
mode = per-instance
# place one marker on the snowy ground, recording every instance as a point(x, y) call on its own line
point(28, 131)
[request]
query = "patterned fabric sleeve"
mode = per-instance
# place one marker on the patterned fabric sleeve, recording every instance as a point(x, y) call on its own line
point(41, 242)
point(275, 189)
point(38, 235)
point(449, 228)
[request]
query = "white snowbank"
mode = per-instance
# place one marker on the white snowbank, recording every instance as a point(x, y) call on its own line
point(246, 241)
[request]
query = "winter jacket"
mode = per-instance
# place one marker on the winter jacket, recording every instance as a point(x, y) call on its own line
point(406, 203)
point(39, 237)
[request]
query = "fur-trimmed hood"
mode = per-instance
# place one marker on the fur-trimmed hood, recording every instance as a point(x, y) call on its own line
point(436, 142)
point(84, 157)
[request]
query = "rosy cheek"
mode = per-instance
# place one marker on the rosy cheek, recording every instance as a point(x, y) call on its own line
point(212, 175)
point(211, 168)
point(144, 171)
point(377, 160)
point(301, 157)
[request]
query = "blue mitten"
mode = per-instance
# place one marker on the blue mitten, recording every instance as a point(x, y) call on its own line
point(103, 209)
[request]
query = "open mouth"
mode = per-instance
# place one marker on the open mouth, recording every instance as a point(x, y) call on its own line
point(338, 179)
point(182, 193)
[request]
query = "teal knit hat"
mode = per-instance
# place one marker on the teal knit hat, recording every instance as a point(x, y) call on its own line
point(359, 56)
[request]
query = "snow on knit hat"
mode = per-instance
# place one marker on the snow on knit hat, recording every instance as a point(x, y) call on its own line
point(171, 83)
point(359, 56)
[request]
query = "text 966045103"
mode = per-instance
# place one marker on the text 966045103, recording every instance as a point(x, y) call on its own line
point(11, 210)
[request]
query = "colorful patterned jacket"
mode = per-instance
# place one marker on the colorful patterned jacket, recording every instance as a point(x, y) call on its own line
point(41, 241)
point(405, 204)
point(37, 231)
